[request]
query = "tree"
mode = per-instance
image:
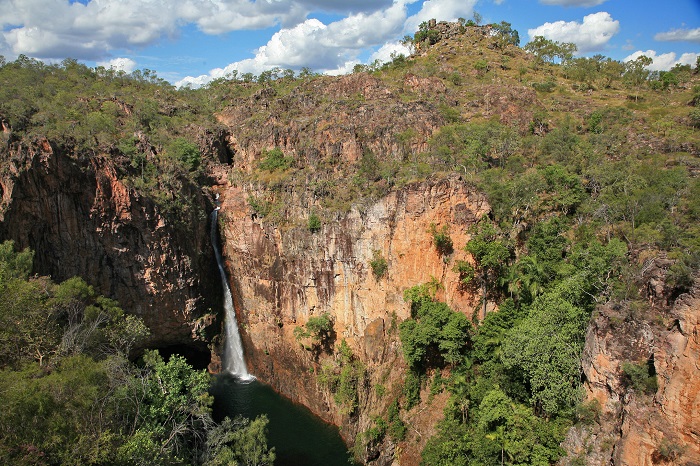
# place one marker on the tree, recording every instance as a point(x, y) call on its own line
point(436, 334)
point(505, 34)
point(441, 239)
point(174, 411)
point(314, 223)
point(408, 42)
point(239, 441)
point(546, 346)
point(490, 254)
point(186, 152)
point(548, 51)
point(636, 73)
point(426, 35)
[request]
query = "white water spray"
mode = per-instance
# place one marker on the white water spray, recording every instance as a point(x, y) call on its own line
point(234, 361)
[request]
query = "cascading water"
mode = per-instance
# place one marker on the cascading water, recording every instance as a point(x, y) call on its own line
point(234, 361)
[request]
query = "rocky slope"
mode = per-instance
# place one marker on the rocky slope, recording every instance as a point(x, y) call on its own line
point(81, 219)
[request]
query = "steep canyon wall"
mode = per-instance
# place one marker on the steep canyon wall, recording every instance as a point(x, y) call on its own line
point(658, 425)
point(82, 220)
point(282, 277)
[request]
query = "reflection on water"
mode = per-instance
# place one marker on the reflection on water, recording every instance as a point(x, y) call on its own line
point(299, 437)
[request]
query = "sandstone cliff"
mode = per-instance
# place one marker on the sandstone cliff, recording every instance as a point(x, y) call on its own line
point(284, 276)
point(643, 427)
point(81, 219)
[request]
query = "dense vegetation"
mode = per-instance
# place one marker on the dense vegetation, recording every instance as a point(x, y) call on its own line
point(70, 394)
point(595, 177)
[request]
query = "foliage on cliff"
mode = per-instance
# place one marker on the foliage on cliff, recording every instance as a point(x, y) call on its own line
point(71, 396)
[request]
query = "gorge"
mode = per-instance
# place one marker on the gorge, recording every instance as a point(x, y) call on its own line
point(451, 263)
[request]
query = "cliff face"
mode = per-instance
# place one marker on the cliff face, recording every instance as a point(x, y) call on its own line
point(82, 220)
point(283, 277)
point(635, 428)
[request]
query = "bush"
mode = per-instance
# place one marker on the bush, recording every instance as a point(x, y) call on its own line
point(669, 451)
point(186, 152)
point(640, 377)
point(441, 239)
point(465, 270)
point(314, 223)
point(259, 206)
point(411, 390)
point(588, 412)
point(397, 428)
point(275, 160)
point(378, 264)
point(695, 118)
point(316, 327)
point(546, 86)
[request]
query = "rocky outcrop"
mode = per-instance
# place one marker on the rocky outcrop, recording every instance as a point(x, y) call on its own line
point(282, 277)
point(636, 428)
point(333, 121)
point(81, 219)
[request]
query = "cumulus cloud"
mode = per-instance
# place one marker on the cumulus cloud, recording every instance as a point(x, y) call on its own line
point(573, 2)
point(664, 61)
point(591, 35)
point(387, 51)
point(119, 64)
point(59, 28)
point(441, 10)
point(689, 35)
point(332, 48)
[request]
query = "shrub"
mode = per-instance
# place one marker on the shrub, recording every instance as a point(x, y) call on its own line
point(186, 152)
point(588, 412)
point(378, 264)
point(275, 160)
point(669, 451)
point(319, 329)
point(441, 239)
point(397, 428)
point(465, 270)
point(411, 390)
point(640, 377)
point(546, 86)
point(314, 223)
point(481, 66)
point(695, 118)
point(259, 206)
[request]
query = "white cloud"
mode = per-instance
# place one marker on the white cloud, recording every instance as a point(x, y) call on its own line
point(119, 64)
point(441, 10)
point(573, 2)
point(333, 48)
point(664, 61)
point(689, 35)
point(591, 35)
point(385, 52)
point(59, 28)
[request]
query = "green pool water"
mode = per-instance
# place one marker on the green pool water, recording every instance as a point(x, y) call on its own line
point(299, 437)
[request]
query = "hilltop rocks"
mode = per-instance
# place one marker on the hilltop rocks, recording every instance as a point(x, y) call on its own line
point(332, 119)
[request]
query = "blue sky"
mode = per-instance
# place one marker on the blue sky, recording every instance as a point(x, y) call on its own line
point(194, 41)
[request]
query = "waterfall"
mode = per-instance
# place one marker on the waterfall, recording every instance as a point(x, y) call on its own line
point(234, 361)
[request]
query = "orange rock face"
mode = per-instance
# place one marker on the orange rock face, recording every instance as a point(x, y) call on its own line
point(283, 277)
point(643, 428)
